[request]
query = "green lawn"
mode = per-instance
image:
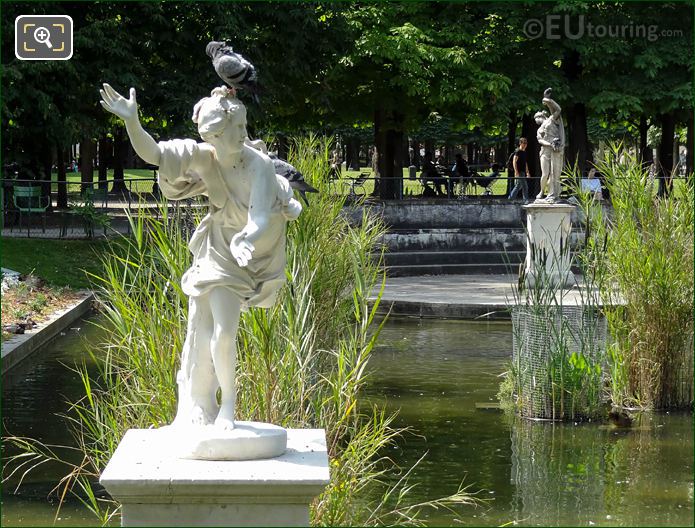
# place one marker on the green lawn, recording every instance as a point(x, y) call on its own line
point(144, 175)
point(413, 187)
point(58, 262)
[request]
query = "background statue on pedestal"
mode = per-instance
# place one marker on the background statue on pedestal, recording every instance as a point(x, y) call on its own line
point(238, 249)
point(551, 136)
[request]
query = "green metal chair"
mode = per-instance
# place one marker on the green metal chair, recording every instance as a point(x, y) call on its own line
point(28, 200)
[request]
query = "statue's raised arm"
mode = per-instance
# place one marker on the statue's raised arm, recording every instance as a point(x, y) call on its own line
point(127, 110)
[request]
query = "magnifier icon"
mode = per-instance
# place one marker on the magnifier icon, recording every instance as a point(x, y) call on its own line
point(42, 36)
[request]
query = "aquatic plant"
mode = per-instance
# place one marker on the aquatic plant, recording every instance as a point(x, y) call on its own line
point(558, 359)
point(302, 363)
point(641, 255)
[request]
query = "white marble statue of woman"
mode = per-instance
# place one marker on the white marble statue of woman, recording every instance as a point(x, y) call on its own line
point(238, 249)
point(551, 137)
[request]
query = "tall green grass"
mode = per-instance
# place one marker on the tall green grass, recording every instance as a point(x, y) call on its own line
point(302, 363)
point(641, 255)
point(558, 358)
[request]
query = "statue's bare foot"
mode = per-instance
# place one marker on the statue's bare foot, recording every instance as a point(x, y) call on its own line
point(225, 418)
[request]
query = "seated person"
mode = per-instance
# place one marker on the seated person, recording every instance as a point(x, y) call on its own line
point(592, 185)
point(460, 171)
point(430, 174)
point(486, 181)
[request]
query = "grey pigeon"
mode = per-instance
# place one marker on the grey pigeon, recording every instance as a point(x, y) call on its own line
point(295, 177)
point(232, 68)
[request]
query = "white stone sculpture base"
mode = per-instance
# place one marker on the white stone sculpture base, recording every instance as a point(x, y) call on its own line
point(548, 230)
point(157, 488)
point(247, 441)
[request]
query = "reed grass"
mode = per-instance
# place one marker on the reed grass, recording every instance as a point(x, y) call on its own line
point(641, 255)
point(302, 363)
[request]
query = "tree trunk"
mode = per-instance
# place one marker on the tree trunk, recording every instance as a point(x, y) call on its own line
point(529, 129)
point(62, 179)
point(105, 157)
point(46, 170)
point(87, 149)
point(668, 128)
point(388, 135)
point(283, 146)
point(577, 138)
point(511, 147)
point(689, 146)
point(352, 154)
point(429, 147)
point(645, 151)
point(415, 145)
point(120, 151)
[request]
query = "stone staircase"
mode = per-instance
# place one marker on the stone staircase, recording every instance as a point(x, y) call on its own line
point(436, 237)
point(438, 251)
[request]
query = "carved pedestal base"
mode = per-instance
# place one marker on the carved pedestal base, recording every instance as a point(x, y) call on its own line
point(548, 230)
point(247, 441)
point(157, 488)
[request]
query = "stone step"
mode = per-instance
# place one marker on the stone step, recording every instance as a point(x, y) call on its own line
point(477, 239)
point(408, 270)
point(401, 258)
point(492, 239)
point(451, 269)
point(448, 213)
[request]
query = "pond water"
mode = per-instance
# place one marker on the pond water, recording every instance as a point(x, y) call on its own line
point(33, 396)
point(434, 373)
point(532, 473)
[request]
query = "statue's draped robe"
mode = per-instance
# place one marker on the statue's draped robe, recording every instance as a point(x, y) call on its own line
point(213, 264)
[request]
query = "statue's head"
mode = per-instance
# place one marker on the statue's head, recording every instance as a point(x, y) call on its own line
point(221, 119)
point(541, 116)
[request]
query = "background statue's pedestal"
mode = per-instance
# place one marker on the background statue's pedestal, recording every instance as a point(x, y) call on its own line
point(156, 488)
point(548, 231)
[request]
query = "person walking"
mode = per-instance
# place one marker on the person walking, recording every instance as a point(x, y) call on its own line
point(520, 171)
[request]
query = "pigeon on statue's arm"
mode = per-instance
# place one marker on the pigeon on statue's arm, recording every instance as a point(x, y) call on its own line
point(233, 68)
point(296, 178)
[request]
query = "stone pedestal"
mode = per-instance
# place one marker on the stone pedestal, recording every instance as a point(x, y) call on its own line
point(548, 230)
point(156, 488)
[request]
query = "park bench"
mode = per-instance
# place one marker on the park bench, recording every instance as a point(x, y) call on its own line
point(28, 200)
point(357, 183)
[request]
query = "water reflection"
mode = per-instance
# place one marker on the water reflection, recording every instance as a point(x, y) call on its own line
point(34, 395)
point(534, 473)
point(582, 474)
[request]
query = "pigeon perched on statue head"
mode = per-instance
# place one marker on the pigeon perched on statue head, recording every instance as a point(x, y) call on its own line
point(233, 68)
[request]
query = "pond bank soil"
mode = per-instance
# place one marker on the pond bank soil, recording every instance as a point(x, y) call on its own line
point(33, 313)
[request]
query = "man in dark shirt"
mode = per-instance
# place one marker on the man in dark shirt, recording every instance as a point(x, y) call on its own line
point(520, 171)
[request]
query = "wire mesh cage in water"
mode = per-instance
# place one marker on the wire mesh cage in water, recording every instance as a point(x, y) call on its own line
point(559, 361)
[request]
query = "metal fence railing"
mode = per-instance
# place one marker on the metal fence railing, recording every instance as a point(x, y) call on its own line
point(72, 209)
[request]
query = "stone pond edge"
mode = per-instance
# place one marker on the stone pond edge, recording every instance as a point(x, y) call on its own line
point(17, 348)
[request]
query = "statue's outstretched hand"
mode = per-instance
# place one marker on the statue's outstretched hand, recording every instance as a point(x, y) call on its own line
point(241, 249)
point(111, 100)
